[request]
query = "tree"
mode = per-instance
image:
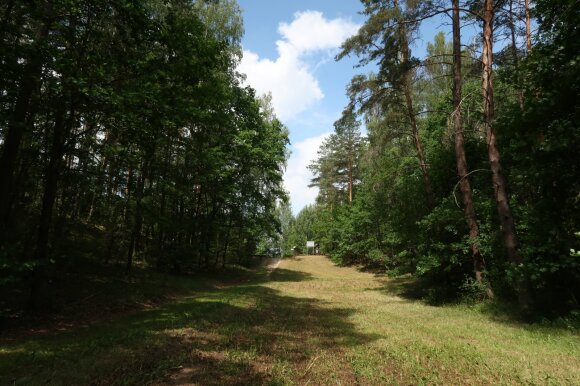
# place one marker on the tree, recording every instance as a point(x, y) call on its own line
point(126, 123)
point(504, 211)
point(337, 169)
point(286, 222)
point(385, 37)
point(461, 159)
point(541, 140)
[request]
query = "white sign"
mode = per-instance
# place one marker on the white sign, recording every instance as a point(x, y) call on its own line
point(310, 244)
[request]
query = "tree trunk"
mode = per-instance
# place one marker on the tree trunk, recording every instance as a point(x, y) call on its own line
point(350, 182)
point(51, 185)
point(50, 189)
point(102, 171)
point(499, 185)
point(160, 221)
point(129, 184)
point(227, 242)
point(209, 234)
point(160, 230)
point(138, 219)
point(528, 26)
point(114, 215)
point(17, 124)
point(462, 168)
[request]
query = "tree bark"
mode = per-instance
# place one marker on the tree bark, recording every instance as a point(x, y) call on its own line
point(462, 168)
point(499, 185)
point(528, 26)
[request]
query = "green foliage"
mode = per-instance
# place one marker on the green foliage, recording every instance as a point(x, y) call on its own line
point(351, 225)
point(473, 291)
point(337, 170)
point(542, 143)
point(388, 224)
point(303, 228)
point(130, 117)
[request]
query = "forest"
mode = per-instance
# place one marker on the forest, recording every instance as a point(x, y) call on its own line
point(467, 174)
point(147, 235)
point(129, 141)
point(128, 138)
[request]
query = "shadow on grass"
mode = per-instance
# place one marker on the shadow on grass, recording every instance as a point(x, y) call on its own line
point(234, 335)
point(83, 296)
point(499, 310)
point(406, 287)
point(287, 275)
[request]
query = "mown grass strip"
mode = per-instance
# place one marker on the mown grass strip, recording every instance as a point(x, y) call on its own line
point(308, 322)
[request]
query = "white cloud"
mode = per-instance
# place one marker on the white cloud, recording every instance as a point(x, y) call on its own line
point(289, 77)
point(310, 31)
point(297, 176)
point(293, 87)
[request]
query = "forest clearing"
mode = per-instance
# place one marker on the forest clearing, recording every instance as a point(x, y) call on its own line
point(306, 322)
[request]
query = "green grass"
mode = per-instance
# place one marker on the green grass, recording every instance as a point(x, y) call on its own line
point(308, 322)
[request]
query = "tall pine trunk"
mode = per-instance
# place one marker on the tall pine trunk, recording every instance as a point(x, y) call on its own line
point(528, 26)
point(499, 185)
point(461, 159)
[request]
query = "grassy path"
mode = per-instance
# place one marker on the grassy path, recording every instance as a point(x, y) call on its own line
point(307, 322)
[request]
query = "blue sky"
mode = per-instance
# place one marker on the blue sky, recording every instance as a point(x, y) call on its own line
point(289, 48)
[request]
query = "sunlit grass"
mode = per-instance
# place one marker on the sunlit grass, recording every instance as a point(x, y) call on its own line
point(308, 322)
point(412, 342)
